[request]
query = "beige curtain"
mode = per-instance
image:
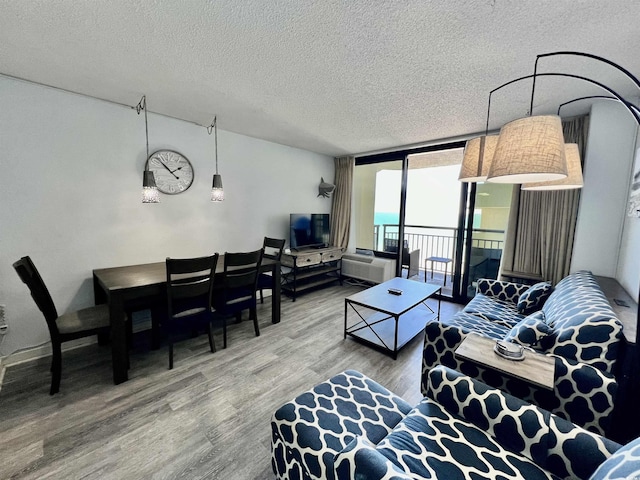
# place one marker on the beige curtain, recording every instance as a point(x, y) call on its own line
point(540, 233)
point(341, 206)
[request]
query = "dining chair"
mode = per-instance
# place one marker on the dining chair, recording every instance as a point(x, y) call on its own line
point(237, 289)
point(272, 249)
point(189, 284)
point(62, 328)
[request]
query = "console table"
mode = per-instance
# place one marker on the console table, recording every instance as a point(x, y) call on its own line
point(310, 268)
point(536, 369)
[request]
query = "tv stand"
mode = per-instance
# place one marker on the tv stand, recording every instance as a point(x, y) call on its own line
point(310, 268)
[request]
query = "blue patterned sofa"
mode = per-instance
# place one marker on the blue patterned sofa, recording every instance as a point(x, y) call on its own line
point(576, 326)
point(350, 427)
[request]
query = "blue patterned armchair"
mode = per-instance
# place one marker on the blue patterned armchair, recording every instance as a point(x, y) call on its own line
point(575, 326)
point(350, 427)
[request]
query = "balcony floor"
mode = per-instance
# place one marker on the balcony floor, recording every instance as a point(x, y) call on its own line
point(438, 279)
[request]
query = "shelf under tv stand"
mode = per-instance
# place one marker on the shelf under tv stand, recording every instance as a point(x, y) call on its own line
point(309, 269)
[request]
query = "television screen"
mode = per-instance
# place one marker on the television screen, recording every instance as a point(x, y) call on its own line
point(308, 230)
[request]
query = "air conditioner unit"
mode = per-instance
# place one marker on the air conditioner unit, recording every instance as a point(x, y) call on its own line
point(368, 268)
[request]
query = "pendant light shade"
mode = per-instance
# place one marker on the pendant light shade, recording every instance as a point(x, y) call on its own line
point(529, 150)
point(476, 162)
point(150, 192)
point(574, 169)
point(217, 192)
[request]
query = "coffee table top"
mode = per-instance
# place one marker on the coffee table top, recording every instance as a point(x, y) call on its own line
point(379, 298)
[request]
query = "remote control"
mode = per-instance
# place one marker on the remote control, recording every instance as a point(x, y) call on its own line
point(395, 291)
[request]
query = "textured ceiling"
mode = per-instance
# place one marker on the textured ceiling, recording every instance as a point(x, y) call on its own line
point(333, 77)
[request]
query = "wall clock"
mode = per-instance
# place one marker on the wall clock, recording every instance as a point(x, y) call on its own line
point(172, 170)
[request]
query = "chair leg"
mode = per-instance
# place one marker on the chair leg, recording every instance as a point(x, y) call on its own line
point(261, 297)
point(254, 315)
point(170, 355)
point(224, 331)
point(56, 368)
point(212, 344)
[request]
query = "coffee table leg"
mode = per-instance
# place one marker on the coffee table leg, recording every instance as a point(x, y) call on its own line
point(395, 342)
point(345, 320)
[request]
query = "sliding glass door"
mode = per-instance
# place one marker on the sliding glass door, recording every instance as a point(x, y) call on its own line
point(432, 214)
point(410, 206)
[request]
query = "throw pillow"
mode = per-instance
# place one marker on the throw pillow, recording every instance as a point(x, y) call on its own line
point(529, 331)
point(533, 299)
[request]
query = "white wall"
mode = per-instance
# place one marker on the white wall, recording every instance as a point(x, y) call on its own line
point(607, 173)
point(628, 273)
point(70, 185)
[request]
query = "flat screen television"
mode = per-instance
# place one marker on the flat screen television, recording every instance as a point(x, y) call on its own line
point(308, 230)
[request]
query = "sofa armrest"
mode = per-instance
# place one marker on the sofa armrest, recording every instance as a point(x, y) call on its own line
point(360, 459)
point(507, 291)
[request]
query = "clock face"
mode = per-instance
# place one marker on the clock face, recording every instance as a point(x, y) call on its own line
point(172, 171)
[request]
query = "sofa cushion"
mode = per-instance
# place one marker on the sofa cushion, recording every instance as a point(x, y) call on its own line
point(534, 298)
point(624, 464)
point(472, 323)
point(494, 310)
point(529, 331)
point(431, 442)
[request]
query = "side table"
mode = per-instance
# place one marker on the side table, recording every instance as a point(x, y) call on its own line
point(444, 260)
point(536, 368)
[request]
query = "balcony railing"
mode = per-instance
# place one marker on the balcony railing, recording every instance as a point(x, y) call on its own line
point(436, 241)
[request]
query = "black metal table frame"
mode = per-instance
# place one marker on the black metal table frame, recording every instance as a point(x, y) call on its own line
point(389, 315)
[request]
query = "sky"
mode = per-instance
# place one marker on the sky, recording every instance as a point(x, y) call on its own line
point(433, 195)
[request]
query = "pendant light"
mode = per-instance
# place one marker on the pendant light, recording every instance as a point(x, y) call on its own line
point(476, 162)
point(150, 192)
point(529, 149)
point(574, 168)
point(217, 192)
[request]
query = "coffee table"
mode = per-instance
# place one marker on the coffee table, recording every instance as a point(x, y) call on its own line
point(386, 321)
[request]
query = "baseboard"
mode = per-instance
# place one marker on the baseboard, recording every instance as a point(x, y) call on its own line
point(2, 370)
point(33, 353)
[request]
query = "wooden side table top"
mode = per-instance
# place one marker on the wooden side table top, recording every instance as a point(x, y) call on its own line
point(536, 368)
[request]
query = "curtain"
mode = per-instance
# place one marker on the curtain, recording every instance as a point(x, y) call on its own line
point(541, 228)
point(341, 206)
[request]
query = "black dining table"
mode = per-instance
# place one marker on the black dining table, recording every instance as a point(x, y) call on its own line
point(143, 285)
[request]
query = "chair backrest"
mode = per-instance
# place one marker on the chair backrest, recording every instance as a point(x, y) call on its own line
point(273, 248)
point(29, 274)
point(241, 270)
point(189, 279)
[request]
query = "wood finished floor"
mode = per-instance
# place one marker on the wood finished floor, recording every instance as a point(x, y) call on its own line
point(207, 418)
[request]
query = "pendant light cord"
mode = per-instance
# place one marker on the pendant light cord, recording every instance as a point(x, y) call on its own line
point(142, 105)
point(214, 128)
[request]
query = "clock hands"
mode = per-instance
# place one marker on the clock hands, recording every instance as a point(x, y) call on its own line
point(169, 170)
